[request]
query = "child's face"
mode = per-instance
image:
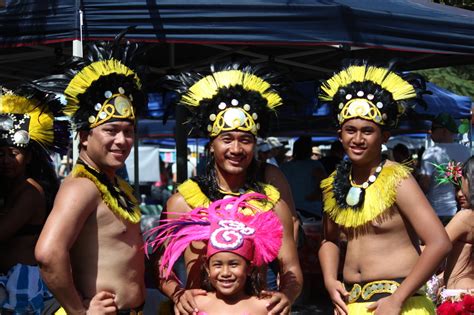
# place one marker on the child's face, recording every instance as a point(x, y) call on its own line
point(228, 273)
point(462, 200)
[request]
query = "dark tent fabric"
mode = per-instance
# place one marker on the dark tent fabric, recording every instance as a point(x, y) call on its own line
point(392, 24)
point(26, 23)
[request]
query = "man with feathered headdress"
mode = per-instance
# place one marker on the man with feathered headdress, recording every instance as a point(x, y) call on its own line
point(232, 105)
point(376, 203)
point(91, 249)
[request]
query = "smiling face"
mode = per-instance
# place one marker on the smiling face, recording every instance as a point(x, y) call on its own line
point(228, 274)
point(362, 140)
point(233, 152)
point(107, 146)
point(13, 161)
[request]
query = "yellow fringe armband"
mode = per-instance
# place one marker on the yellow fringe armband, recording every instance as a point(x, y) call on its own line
point(379, 197)
point(133, 216)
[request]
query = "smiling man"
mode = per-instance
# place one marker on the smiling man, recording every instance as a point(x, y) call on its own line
point(376, 203)
point(232, 106)
point(91, 251)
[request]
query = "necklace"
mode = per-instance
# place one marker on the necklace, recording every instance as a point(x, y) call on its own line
point(355, 195)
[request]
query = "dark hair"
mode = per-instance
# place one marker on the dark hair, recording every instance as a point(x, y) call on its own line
point(254, 284)
point(468, 173)
point(401, 153)
point(302, 148)
point(41, 169)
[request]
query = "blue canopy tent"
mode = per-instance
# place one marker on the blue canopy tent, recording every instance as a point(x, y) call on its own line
point(307, 39)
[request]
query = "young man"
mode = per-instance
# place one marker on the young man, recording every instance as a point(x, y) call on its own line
point(232, 106)
point(91, 251)
point(377, 204)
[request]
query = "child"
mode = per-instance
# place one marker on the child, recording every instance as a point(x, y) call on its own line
point(458, 295)
point(237, 245)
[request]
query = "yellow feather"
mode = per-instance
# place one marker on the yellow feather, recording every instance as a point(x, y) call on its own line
point(375, 204)
point(194, 197)
point(41, 127)
point(209, 86)
point(133, 217)
point(393, 83)
point(88, 75)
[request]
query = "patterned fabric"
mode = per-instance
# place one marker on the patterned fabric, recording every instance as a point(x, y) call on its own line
point(26, 291)
point(415, 305)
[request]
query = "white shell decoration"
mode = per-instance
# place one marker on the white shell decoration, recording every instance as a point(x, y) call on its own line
point(353, 196)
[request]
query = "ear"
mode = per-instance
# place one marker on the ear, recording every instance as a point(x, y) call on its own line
point(84, 137)
point(211, 147)
point(339, 132)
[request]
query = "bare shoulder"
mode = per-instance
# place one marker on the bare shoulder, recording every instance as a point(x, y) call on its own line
point(258, 305)
point(272, 173)
point(176, 203)
point(203, 301)
point(464, 217)
point(77, 191)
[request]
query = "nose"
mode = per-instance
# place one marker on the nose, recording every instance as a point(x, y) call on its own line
point(225, 271)
point(358, 138)
point(235, 147)
point(120, 138)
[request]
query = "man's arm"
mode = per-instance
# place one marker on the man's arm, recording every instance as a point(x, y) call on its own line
point(416, 209)
point(291, 277)
point(274, 176)
point(329, 260)
point(75, 201)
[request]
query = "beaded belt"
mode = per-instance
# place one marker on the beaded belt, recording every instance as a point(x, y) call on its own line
point(375, 290)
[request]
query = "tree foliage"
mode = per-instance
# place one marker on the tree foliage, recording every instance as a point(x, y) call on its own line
point(458, 79)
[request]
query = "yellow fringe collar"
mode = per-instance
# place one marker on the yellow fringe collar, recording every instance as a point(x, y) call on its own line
point(379, 197)
point(133, 214)
point(194, 197)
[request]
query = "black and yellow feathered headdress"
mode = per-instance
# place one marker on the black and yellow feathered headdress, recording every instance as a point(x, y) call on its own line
point(27, 115)
point(231, 97)
point(102, 87)
point(369, 92)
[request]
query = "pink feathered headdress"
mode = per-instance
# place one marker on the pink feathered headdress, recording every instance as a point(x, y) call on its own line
point(256, 237)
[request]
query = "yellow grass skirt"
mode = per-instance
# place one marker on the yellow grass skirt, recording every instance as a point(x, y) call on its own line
point(416, 305)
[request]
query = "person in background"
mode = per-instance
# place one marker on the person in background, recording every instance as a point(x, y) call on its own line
point(441, 196)
point(91, 248)
point(334, 157)
point(458, 276)
point(376, 203)
point(29, 133)
point(232, 106)
point(315, 153)
point(304, 176)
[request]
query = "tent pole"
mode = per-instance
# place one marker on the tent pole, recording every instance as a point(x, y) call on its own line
point(77, 51)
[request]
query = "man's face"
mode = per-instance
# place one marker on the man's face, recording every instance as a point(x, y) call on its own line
point(233, 151)
point(362, 140)
point(109, 144)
